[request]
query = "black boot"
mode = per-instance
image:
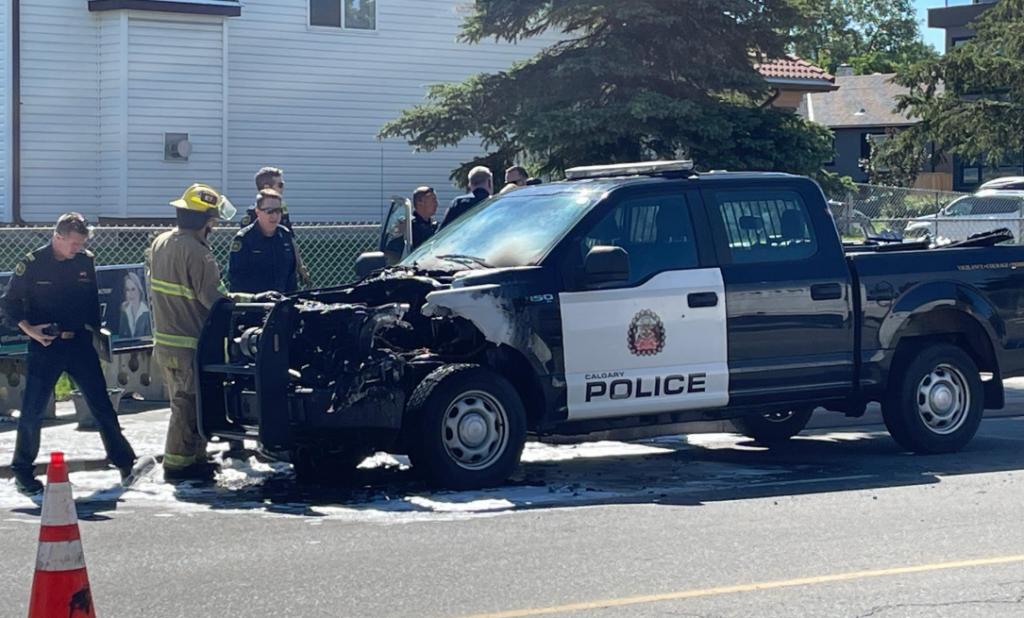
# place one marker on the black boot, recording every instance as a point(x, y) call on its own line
point(28, 485)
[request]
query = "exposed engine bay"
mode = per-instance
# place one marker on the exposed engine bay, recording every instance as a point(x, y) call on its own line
point(337, 366)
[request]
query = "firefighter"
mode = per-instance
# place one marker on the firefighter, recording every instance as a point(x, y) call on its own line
point(54, 299)
point(185, 281)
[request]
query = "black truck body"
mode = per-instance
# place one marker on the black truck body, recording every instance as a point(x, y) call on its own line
point(619, 298)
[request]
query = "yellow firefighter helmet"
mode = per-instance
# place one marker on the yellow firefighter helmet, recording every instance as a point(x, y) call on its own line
point(202, 198)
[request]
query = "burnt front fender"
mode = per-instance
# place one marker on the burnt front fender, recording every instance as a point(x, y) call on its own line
point(494, 312)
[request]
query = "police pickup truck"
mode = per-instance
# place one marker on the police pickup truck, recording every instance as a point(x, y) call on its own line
point(624, 296)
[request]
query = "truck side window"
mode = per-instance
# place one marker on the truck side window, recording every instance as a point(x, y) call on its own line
point(655, 231)
point(766, 226)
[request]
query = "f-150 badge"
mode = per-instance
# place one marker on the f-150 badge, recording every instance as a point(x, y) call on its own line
point(646, 334)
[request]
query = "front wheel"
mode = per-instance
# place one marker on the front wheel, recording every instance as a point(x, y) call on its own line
point(774, 427)
point(468, 428)
point(935, 403)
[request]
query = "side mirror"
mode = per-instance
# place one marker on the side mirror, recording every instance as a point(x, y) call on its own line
point(606, 265)
point(368, 262)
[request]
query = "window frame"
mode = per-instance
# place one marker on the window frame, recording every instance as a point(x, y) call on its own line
point(342, 29)
point(721, 234)
point(570, 262)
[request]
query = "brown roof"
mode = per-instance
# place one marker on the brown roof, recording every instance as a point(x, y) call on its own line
point(860, 101)
point(792, 67)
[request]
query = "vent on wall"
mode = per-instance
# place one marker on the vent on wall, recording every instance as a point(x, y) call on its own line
point(177, 147)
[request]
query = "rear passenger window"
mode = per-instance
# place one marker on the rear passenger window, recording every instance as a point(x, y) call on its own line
point(656, 232)
point(766, 226)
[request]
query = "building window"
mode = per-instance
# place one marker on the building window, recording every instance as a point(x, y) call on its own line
point(345, 14)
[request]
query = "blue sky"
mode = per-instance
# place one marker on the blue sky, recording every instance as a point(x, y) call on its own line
point(933, 36)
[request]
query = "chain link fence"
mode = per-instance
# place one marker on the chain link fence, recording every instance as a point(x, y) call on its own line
point(942, 216)
point(329, 251)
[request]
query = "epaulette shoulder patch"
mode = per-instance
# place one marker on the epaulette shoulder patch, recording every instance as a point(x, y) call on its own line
point(89, 254)
point(31, 257)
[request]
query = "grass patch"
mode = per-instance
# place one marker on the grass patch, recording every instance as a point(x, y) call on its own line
point(63, 389)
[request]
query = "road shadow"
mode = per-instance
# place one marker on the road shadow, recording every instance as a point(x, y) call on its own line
point(669, 471)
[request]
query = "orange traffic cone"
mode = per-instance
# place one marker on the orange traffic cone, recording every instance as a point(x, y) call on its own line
point(61, 585)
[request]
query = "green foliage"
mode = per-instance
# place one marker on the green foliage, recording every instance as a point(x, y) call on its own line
point(892, 166)
point(871, 35)
point(629, 81)
point(971, 100)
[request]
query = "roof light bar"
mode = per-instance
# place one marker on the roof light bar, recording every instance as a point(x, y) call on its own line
point(643, 168)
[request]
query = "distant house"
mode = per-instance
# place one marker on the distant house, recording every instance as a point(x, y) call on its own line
point(859, 111)
point(792, 78)
point(956, 20)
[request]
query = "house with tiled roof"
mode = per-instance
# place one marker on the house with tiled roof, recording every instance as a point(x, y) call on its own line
point(792, 79)
point(859, 111)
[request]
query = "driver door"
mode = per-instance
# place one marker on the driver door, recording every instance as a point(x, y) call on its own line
point(395, 238)
point(657, 342)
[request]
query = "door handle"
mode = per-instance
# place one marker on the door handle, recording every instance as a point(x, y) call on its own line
point(826, 291)
point(702, 299)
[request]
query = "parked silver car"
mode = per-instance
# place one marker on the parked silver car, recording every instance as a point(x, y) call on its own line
point(983, 211)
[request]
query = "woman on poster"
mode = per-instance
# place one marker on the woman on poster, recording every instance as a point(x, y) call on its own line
point(135, 317)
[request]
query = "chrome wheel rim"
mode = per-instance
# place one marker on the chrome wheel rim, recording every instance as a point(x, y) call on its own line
point(943, 400)
point(475, 430)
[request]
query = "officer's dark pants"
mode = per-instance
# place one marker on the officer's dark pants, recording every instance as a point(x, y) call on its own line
point(78, 358)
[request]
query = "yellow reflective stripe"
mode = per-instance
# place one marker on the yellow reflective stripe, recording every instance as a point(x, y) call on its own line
point(171, 289)
point(178, 461)
point(175, 341)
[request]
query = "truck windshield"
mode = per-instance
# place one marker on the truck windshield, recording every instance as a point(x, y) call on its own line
point(513, 229)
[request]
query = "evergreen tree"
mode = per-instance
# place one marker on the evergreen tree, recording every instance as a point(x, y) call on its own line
point(971, 100)
point(630, 81)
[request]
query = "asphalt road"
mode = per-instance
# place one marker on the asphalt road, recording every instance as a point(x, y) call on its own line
point(840, 523)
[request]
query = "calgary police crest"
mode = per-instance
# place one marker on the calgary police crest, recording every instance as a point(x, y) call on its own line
point(646, 335)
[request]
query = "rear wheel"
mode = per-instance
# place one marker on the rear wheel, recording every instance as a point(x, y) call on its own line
point(468, 428)
point(774, 427)
point(936, 401)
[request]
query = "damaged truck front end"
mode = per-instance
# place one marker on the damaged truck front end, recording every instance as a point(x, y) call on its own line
point(325, 378)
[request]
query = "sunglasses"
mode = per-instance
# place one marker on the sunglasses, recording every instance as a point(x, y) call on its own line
point(273, 211)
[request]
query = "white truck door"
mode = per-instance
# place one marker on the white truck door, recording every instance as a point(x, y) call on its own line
point(657, 342)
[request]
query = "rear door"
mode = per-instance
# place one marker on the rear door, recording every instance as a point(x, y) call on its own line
point(656, 343)
point(788, 293)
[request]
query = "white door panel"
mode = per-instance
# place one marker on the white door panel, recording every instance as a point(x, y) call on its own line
point(643, 350)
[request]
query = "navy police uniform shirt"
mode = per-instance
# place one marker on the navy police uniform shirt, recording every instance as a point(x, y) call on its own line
point(259, 263)
point(45, 290)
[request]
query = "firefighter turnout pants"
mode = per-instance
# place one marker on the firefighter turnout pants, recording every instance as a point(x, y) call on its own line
point(184, 446)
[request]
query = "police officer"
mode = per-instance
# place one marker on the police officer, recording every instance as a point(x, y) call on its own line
point(53, 298)
point(184, 280)
point(481, 186)
point(262, 257)
point(273, 178)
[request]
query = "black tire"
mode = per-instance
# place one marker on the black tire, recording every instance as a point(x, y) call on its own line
point(489, 404)
point(914, 419)
point(773, 428)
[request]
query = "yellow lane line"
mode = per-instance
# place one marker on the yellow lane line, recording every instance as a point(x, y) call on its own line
point(788, 583)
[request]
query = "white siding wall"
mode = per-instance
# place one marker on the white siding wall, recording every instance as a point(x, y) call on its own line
point(59, 109)
point(310, 101)
point(112, 30)
point(175, 85)
point(5, 119)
